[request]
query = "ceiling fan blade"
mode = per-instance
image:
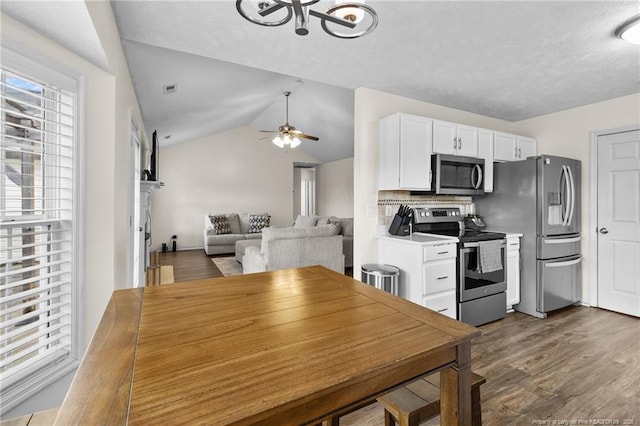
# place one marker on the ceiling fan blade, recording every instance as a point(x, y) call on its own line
point(299, 134)
point(268, 131)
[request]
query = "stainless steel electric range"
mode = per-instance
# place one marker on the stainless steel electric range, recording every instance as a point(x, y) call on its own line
point(481, 264)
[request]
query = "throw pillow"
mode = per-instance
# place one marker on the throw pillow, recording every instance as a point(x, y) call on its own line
point(322, 221)
point(326, 220)
point(305, 221)
point(257, 222)
point(234, 223)
point(220, 224)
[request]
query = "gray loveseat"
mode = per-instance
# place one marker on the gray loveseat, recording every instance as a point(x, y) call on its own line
point(219, 239)
point(283, 248)
point(346, 230)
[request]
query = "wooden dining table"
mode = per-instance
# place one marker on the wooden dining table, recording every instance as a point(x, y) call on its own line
point(289, 347)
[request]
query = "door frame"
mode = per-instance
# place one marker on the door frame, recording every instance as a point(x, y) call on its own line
point(593, 206)
point(133, 133)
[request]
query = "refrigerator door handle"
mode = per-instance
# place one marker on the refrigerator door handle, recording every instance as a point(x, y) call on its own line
point(566, 202)
point(573, 195)
point(562, 264)
point(563, 240)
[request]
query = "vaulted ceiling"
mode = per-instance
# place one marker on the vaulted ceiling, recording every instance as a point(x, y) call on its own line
point(510, 60)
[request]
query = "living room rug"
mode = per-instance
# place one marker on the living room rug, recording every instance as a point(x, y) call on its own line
point(228, 265)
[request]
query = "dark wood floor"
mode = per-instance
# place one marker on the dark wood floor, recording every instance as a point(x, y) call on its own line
point(196, 265)
point(190, 265)
point(580, 364)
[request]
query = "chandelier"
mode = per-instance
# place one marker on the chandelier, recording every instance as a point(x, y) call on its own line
point(343, 20)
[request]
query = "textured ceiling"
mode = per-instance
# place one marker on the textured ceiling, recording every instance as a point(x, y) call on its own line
point(67, 22)
point(505, 59)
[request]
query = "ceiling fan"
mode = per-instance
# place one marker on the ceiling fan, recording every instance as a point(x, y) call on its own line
point(287, 134)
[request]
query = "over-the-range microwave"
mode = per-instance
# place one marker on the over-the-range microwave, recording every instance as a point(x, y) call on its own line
point(456, 175)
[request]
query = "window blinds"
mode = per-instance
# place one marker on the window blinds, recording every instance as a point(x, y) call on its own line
point(36, 229)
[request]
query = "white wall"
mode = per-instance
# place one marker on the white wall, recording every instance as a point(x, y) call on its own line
point(567, 133)
point(370, 107)
point(126, 108)
point(334, 188)
point(233, 171)
point(108, 98)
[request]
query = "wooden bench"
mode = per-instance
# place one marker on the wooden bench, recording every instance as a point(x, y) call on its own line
point(419, 401)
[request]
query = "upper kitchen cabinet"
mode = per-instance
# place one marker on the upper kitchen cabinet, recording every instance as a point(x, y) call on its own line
point(455, 139)
point(404, 160)
point(508, 147)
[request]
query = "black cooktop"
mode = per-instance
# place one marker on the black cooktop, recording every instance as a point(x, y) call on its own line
point(471, 235)
point(467, 235)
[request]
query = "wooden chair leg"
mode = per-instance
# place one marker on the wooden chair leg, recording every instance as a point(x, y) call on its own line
point(333, 421)
point(476, 407)
point(388, 419)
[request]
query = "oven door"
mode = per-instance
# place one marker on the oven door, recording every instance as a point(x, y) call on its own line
point(473, 281)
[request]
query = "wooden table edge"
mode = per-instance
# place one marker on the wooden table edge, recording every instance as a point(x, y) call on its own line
point(111, 386)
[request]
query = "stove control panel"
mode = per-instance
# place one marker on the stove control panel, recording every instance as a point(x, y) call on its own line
point(436, 214)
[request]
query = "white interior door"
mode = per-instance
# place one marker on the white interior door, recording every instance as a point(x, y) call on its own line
point(619, 222)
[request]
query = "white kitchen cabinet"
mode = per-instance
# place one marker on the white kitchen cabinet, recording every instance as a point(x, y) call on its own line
point(509, 147)
point(404, 160)
point(526, 147)
point(485, 150)
point(455, 139)
point(513, 271)
point(427, 271)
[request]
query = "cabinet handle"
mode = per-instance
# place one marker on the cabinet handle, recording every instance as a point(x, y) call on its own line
point(443, 252)
point(443, 278)
point(459, 143)
point(519, 152)
point(455, 143)
point(442, 310)
point(515, 153)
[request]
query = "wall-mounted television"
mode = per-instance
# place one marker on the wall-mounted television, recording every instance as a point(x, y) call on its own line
point(155, 157)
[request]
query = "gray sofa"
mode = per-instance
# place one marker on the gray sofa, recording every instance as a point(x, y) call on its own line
point(219, 242)
point(283, 248)
point(346, 230)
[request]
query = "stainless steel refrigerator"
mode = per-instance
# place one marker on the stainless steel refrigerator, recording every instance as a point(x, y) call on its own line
point(540, 197)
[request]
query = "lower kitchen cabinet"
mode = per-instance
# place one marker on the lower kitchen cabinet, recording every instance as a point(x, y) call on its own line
point(513, 271)
point(444, 302)
point(427, 271)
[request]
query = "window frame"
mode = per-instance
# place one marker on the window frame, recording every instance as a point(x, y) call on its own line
point(41, 68)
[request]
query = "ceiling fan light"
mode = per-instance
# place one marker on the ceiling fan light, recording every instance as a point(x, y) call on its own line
point(278, 141)
point(630, 31)
point(295, 142)
point(353, 14)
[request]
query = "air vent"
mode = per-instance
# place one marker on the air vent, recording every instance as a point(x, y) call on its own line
point(169, 88)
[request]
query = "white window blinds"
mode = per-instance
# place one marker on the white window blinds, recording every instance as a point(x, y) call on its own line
point(36, 227)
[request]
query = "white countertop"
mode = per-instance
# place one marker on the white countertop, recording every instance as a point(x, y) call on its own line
point(420, 238)
point(507, 233)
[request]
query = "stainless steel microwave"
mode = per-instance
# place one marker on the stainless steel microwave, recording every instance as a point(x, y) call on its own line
point(456, 175)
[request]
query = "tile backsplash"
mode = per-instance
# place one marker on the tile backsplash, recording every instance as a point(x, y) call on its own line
point(389, 201)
